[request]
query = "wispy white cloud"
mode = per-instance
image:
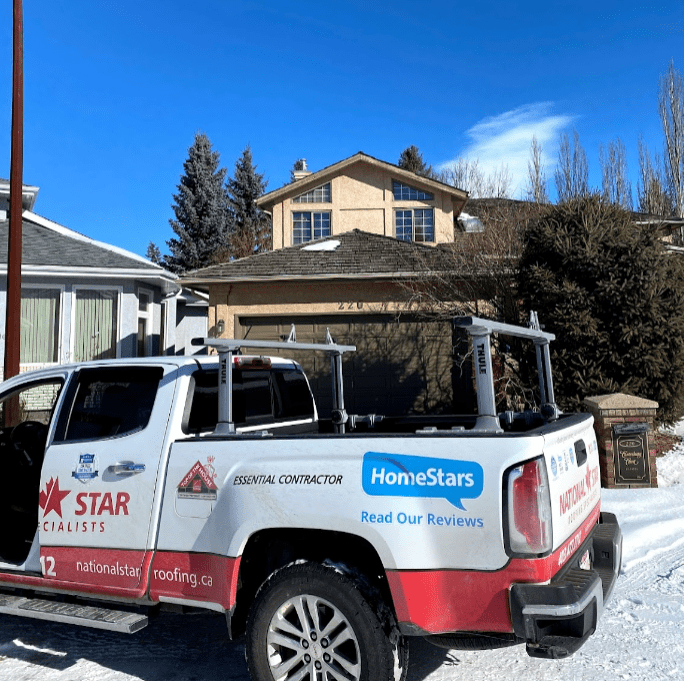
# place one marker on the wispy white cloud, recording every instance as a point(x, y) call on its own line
point(504, 140)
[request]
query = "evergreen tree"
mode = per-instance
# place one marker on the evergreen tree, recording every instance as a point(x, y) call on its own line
point(412, 159)
point(298, 166)
point(153, 254)
point(201, 208)
point(615, 300)
point(251, 226)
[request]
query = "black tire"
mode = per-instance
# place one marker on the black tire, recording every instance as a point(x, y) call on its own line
point(348, 633)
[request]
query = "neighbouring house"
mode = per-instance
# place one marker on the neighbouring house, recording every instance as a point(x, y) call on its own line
point(346, 241)
point(83, 299)
point(191, 322)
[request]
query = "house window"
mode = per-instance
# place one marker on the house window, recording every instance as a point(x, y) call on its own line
point(415, 224)
point(40, 310)
point(144, 323)
point(96, 324)
point(318, 195)
point(402, 192)
point(310, 226)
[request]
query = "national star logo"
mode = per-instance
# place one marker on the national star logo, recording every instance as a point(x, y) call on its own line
point(51, 499)
point(590, 478)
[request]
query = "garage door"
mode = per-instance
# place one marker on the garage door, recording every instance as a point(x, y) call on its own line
point(402, 365)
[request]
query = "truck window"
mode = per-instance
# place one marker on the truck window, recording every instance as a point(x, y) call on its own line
point(25, 416)
point(295, 400)
point(111, 402)
point(260, 396)
point(34, 402)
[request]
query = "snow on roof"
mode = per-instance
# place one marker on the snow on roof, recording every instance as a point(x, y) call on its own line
point(470, 223)
point(322, 246)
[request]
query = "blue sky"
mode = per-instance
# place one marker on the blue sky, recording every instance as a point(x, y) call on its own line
point(115, 91)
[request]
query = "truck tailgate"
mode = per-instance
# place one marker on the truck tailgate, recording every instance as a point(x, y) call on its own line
point(572, 463)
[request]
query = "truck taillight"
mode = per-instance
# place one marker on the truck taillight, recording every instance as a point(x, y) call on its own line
point(529, 508)
point(251, 362)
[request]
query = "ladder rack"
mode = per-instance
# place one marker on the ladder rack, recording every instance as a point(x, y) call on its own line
point(480, 330)
point(227, 348)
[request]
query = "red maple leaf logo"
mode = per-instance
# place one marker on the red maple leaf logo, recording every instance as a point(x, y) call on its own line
point(588, 478)
point(51, 498)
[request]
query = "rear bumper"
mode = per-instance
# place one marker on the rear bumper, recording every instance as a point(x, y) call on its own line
point(556, 619)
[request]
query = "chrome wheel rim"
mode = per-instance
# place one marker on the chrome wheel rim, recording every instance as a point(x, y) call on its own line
point(309, 639)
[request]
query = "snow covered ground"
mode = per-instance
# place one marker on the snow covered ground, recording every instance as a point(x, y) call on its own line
point(640, 637)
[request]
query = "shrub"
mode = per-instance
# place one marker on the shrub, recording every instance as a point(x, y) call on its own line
point(614, 297)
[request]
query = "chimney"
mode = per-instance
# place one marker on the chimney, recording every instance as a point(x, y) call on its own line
point(300, 170)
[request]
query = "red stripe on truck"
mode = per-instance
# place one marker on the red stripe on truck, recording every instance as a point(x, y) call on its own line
point(195, 577)
point(441, 601)
point(98, 571)
point(186, 576)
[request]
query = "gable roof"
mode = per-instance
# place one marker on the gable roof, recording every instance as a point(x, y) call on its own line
point(354, 254)
point(50, 248)
point(458, 196)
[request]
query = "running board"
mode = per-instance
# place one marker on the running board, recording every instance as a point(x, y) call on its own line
point(73, 613)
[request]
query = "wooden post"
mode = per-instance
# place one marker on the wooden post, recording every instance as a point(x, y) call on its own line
point(13, 301)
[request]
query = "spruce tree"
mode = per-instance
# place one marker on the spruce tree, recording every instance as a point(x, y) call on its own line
point(153, 254)
point(615, 300)
point(251, 229)
point(201, 208)
point(412, 159)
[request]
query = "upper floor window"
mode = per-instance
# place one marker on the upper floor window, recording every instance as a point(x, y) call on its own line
point(402, 192)
point(318, 195)
point(415, 224)
point(310, 226)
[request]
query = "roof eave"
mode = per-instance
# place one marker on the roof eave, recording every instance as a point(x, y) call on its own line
point(167, 281)
point(382, 276)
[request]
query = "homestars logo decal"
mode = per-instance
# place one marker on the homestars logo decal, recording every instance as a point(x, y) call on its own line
point(399, 475)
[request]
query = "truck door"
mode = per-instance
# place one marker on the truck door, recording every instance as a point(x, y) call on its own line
point(26, 417)
point(99, 478)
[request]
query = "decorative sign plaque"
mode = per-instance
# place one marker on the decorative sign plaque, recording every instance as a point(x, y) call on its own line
point(630, 447)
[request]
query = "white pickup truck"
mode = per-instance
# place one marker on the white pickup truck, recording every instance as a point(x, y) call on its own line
point(185, 483)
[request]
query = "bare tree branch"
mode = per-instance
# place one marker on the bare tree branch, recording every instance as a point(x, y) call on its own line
point(572, 171)
point(652, 187)
point(671, 109)
point(616, 186)
point(466, 174)
point(536, 185)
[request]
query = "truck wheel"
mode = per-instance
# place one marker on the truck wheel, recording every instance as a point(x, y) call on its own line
point(313, 622)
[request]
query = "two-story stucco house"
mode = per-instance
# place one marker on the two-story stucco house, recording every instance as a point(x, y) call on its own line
point(346, 240)
point(363, 193)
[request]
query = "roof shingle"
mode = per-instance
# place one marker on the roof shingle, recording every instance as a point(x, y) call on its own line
point(359, 254)
point(47, 247)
